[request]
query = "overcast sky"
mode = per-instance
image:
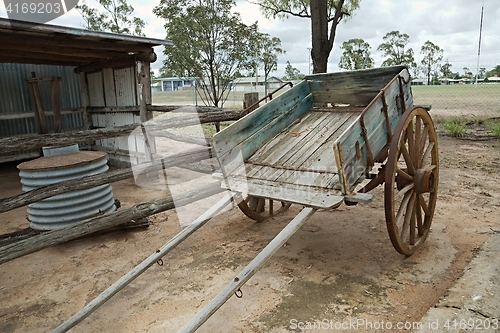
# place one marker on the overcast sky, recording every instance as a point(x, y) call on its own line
point(452, 25)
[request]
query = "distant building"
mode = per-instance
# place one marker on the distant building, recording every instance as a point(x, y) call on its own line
point(253, 83)
point(176, 83)
point(494, 79)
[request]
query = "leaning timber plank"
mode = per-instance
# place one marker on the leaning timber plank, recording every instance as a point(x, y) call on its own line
point(258, 120)
point(143, 266)
point(44, 192)
point(236, 154)
point(153, 126)
point(183, 138)
point(99, 223)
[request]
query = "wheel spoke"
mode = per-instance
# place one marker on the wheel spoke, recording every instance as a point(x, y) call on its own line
point(403, 207)
point(412, 220)
point(424, 206)
point(425, 135)
point(418, 212)
point(427, 153)
point(408, 160)
point(418, 133)
point(403, 191)
point(260, 205)
point(404, 174)
point(410, 136)
point(407, 216)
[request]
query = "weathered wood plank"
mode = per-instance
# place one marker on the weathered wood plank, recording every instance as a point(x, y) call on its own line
point(259, 119)
point(55, 139)
point(239, 153)
point(86, 182)
point(281, 144)
point(352, 143)
point(353, 87)
point(144, 209)
point(304, 195)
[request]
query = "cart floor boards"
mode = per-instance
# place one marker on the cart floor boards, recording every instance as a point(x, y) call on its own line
point(298, 165)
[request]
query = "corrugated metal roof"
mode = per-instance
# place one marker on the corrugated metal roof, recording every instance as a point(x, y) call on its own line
point(25, 42)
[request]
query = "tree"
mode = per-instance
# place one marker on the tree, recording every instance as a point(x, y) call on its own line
point(433, 54)
point(210, 44)
point(325, 17)
point(494, 72)
point(115, 18)
point(292, 73)
point(394, 48)
point(446, 70)
point(269, 48)
point(467, 73)
point(356, 55)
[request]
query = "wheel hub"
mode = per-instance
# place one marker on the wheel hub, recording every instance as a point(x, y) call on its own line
point(424, 180)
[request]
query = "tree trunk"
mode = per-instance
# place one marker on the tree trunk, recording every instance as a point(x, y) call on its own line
point(319, 29)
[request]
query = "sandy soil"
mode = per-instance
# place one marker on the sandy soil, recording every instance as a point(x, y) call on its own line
point(340, 266)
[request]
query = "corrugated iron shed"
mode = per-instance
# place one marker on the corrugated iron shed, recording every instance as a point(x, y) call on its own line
point(23, 42)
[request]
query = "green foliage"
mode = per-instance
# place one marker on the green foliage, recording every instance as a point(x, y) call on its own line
point(494, 72)
point(210, 44)
point(455, 127)
point(292, 73)
point(269, 48)
point(446, 70)
point(393, 47)
point(433, 54)
point(494, 125)
point(115, 16)
point(356, 55)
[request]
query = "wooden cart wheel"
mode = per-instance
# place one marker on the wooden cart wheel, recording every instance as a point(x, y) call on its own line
point(411, 180)
point(258, 209)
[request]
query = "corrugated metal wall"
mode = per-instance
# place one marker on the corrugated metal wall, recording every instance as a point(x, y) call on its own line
point(16, 109)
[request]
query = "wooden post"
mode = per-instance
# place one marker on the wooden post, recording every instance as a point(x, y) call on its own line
point(56, 110)
point(249, 100)
point(37, 104)
point(85, 96)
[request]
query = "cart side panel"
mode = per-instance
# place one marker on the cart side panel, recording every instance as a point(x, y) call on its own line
point(353, 87)
point(233, 151)
point(255, 121)
point(351, 150)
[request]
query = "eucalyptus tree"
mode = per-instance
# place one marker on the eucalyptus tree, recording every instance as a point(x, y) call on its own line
point(325, 16)
point(114, 16)
point(211, 44)
point(395, 51)
point(433, 54)
point(356, 55)
point(267, 56)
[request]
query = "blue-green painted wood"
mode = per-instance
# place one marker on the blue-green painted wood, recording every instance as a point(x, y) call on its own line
point(245, 127)
point(355, 168)
point(353, 87)
point(235, 156)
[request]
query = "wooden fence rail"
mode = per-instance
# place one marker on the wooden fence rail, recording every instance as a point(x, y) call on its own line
point(98, 223)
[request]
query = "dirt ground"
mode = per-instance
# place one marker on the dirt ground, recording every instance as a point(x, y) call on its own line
point(338, 268)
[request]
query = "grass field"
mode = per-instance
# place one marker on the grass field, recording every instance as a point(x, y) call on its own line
point(463, 98)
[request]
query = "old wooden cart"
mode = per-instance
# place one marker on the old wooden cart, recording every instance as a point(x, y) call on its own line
point(364, 133)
